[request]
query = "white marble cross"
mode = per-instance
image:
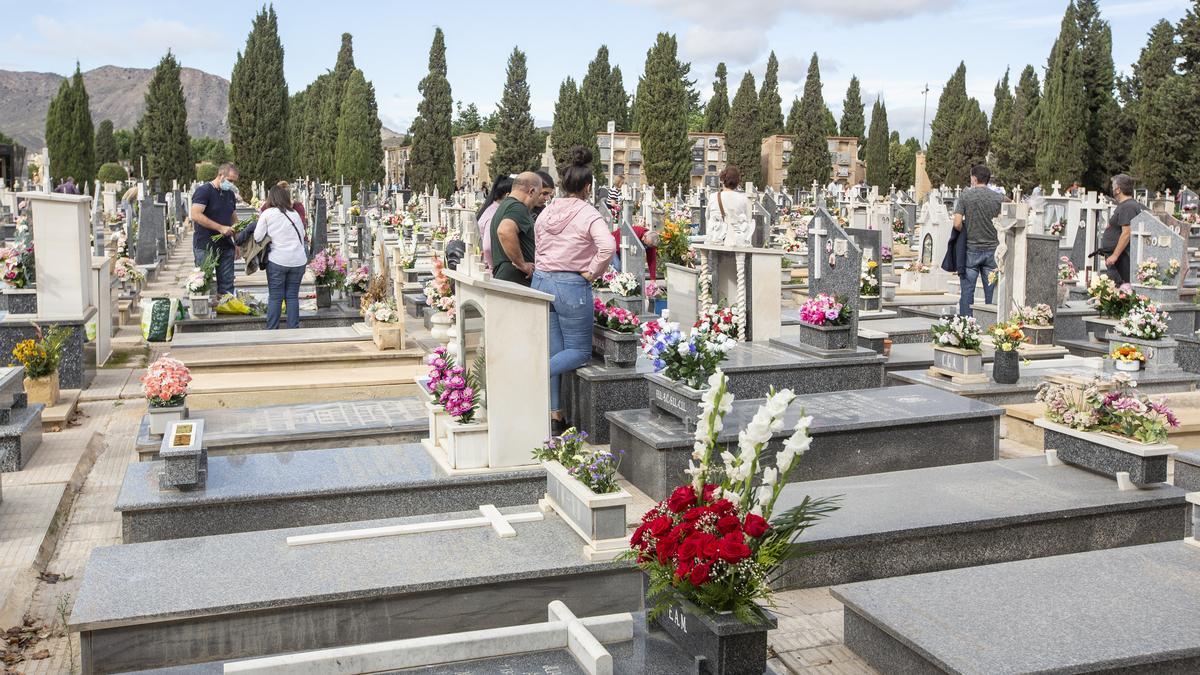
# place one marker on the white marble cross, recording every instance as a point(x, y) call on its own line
point(490, 517)
point(817, 232)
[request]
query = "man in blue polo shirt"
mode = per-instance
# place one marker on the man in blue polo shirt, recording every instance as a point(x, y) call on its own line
point(213, 206)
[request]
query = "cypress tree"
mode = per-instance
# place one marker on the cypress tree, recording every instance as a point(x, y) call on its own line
point(902, 159)
point(572, 128)
point(432, 157)
point(603, 94)
point(716, 113)
point(70, 136)
point(168, 148)
point(517, 147)
point(1000, 132)
point(1106, 150)
point(467, 120)
point(743, 140)
point(968, 144)
point(662, 109)
point(295, 133)
point(375, 143)
point(853, 123)
point(1063, 115)
point(1186, 95)
point(793, 117)
point(810, 151)
point(1155, 63)
point(1022, 146)
point(878, 165)
point(770, 110)
point(1157, 160)
point(137, 149)
point(106, 144)
point(311, 151)
point(950, 106)
point(331, 108)
point(831, 126)
point(356, 162)
point(258, 106)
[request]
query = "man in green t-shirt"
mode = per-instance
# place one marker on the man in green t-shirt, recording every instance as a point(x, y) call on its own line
point(512, 228)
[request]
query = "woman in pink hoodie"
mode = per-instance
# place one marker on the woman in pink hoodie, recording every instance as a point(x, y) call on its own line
point(573, 247)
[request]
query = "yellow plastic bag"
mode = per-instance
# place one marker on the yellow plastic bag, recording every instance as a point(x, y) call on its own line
point(231, 304)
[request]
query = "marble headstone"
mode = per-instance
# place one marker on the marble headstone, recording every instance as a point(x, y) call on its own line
point(834, 263)
point(150, 229)
point(1150, 238)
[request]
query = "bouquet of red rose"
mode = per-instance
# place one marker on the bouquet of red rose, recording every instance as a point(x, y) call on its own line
point(713, 542)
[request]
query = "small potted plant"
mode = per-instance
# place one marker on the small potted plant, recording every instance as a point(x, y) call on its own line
point(40, 357)
point(439, 294)
point(165, 386)
point(682, 366)
point(956, 347)
point(709, 550)
point(356, 284)
point(656, 292)
point(466, 439)
point(387, 326)
point(868, 288)
point(615, 335)
point(1036, 322)
point(1145, 326)
point(1127, 358)
point(581, 485)
point(1111, 302)
point(328, 268)
point(825, 323)
point(128, 275)
point(1107, 427)
point(626, 292)
point(1007, 337)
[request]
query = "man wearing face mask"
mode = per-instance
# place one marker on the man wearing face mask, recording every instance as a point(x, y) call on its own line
point(213, 208)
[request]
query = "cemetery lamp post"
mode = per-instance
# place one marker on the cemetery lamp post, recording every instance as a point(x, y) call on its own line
point(612, 140)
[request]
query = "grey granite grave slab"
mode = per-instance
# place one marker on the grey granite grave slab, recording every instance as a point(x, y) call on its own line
point(854, 433)
point(19, 300)
point(1032, 375)
point(920, 355)
point(338, 315)
point(1069, 321)
point(1187, 470)
point(752, 367)
point(899, 331)
point(305, 426)
point(312, 487)
point(946, 517)
point(1127, 610)
point(270, 337)
point(75, 371)
point(1187, 354)
point(232, 596)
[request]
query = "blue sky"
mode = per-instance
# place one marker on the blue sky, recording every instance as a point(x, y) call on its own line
point(895, 48)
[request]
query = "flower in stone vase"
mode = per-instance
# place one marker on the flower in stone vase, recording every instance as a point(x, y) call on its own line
point(825, 310)
point(1007, 335)
point(1066, 270)
point(1145, 321)
point(165, 383)
point(1039, 315)
point(624, 284)
point(958, 332)
point(716, 541)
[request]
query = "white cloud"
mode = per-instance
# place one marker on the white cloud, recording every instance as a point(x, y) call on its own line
point(144, 41)
point(736, 34)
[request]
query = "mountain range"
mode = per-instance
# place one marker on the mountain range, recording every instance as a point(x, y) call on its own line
point(116, 94)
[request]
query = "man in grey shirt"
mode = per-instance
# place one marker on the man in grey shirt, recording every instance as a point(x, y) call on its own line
point(977, 206)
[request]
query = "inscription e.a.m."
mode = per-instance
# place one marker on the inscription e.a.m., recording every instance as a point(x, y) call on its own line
point(677, 616)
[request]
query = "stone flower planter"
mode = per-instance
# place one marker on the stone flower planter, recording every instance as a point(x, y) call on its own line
point(1039, 335)
point(674, 399)
point(598, 518)
point(825, 338)
point(43, 389)
point(162, 417)
point(1006, 368)
point(632, 303)
point(727, 645)
point(466, 445)
point(1160, 354)
point(616, 348)
point(1127, 366)
point(1108, 454)
point(870, 303)
point(354, 300)
point(388, 335)
point(785, 276)
point(324, 296)
point(439, 328)
point(200, 306)
point(920, 282)
point(957, 361)
point(1158, 294)
point(1099, 327)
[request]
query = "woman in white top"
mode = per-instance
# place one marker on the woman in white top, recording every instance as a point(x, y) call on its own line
point(729, 216)
point(287, 258)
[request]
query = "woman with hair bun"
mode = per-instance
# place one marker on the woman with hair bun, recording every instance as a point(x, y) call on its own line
point(729, 216)
point(574, 247)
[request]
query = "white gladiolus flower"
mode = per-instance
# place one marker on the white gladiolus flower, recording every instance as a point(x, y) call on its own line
point(804, 422)
point(733, 498)
point(763, 494)
point(785, 458)
point(798, 443)
point(777, 405)
point(727, 458)
point(698, 449)
point(770, 475)
point(777, 424)
point(715, 380)
point(759, 431)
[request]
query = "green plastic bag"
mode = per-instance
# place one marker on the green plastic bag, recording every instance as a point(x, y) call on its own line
point(158, 318)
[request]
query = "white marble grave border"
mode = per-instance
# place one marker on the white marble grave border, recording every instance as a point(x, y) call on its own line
point(490, 517)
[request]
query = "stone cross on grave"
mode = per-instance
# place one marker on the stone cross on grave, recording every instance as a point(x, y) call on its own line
point(1055, 189)
point(816, 230)
point(633, 255)
point(1095, 211)
point(835, 266)
point(1010, 257)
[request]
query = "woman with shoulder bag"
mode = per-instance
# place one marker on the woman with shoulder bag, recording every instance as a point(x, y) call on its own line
point(287, 257)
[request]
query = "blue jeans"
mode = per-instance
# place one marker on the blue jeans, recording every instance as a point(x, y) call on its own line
point(283, 283)
point(571, 323)
point(979, 263)
point(225, 257)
